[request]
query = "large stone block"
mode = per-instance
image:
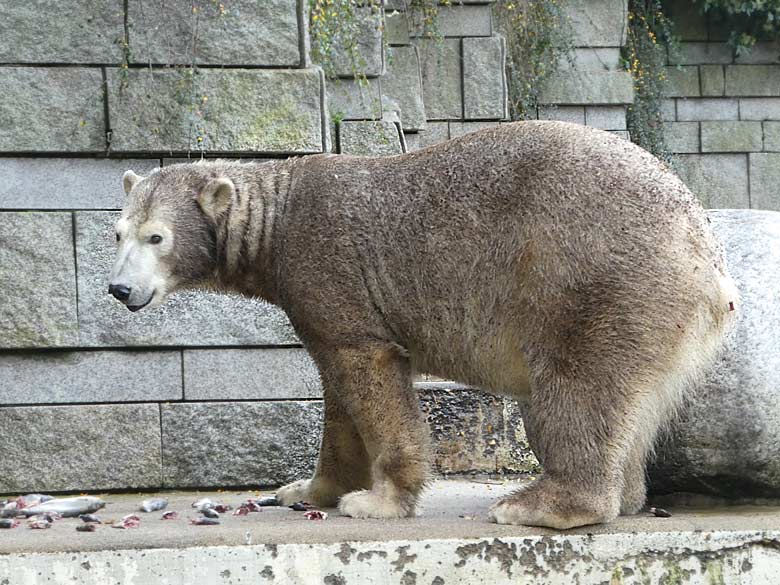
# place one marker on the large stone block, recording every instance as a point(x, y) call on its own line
point(90, 376)
point(695, 109)
point(237, 110)
point(362, 51)
point(731, 136)
point(598, 58)
point(765, 181)
point(598, 23)
point(461, 128)
point(434, 133)
point(236, 444)
point(772, 136)
point(702, 53)
point(66, 183)
point(77, 31)
point(753, 80)
point(397, 28)
point(351, 99)
point(186, 319)
point(713, 81)
point(37, 280)
point(762, 53)
point(588, 87)
point(682, 82)
point(442, 78)
point(51, 109)
point(759, 108)
point(606, 117)
point(457, 20)
point(689, 22)
point(403, 84)
point(79, 448)
point(573, 114)
point(682, 137)
point(369, 138)
point(484, 84)
point(719, 180)
point(250, 374)
point(240, 32)
point(727, 441)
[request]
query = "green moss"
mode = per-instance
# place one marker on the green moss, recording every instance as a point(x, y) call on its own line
point(282, 127)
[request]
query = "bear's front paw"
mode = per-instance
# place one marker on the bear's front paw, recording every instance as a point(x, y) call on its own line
point(315, 491)
point(370, 504)
point(296, 491)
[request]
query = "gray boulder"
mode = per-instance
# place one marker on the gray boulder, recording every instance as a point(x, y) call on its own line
point(727, 441)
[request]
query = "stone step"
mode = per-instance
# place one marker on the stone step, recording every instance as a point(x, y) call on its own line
point(450, 542)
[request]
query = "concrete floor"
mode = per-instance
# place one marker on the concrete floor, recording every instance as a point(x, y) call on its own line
point(452, 518)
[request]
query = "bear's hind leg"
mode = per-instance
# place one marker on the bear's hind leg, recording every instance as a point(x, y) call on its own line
point(634, 492)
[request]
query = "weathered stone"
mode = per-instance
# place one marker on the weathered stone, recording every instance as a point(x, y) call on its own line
point(37, 280)
point(362, 51)
point(772, 136)
point(412, 140)
point(669, 110)
point(702, 53)
point(457, 20)
point(624, 134)
point(713, 81)
point(51, 109)
point(682, 82)
point(460, 128)
point(598, 23)
point(682, 137)
point(240, 32)
point(81, 31)
point(79, 448)
point(351, 99)
point(573, 114)
point(689, 22)
point(753, 80)
point(759, 108)
point(731, 136)
point(396, 28)
point(239, 443)
point(90, 376)
point(216, 109)
point(597, 58)
point(484, 85)
point(727, 442)
point(588, 87)
point(250, 374)
point(434, 133)
point(475, 432)
point(695, 109)
point(403, 84)
point(442, 79)
point(186, 319)
point(765, 181)
point(372, 138)
point(762, 53)
point(66, 183)
point(719, 180)
point(606, 117)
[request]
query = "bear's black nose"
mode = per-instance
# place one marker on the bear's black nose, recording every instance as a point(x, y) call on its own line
point(120, 291)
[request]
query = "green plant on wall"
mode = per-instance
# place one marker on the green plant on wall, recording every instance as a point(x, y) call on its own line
point(747, 21)
point(538, 38)
point(644, 56)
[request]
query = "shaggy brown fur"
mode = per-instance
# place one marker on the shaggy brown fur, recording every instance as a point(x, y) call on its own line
point(555, 263)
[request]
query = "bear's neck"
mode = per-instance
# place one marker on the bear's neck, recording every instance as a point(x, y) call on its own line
point(247, 235)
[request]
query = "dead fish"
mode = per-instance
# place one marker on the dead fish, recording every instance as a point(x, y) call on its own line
point(52, 517)
point(203, 521)
point(153, 504)
point(67, 507)
point(222, 508)
point(36, 523)
point(129, 521)
point(315, 515)
point(660, 513)
point(89, 518)
point(8, 523)
point(301, 506)
point(267, 501)
point(10, 509)
point(242, 510)
point(210, 513)
point(203, 503)
point(170, 515)
point(86, 528)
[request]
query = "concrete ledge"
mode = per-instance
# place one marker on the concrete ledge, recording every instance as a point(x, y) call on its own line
point(450, 543)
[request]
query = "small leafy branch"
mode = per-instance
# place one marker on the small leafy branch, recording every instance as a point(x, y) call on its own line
point(748, 21)
point(649, 36)
point(538, 37)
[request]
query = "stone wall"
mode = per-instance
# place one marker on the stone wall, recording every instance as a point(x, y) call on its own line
point(722, 114)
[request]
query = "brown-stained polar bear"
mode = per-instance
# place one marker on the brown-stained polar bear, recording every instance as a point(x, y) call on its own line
point(551, 262)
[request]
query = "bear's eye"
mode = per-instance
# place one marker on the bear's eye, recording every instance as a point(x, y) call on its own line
point(155, 239)
point(118, 237)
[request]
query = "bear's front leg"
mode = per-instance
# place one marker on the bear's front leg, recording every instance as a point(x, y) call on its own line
point(375, 387)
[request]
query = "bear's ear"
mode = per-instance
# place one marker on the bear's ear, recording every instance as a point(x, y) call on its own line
point(214, 199)
point(129, 180)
